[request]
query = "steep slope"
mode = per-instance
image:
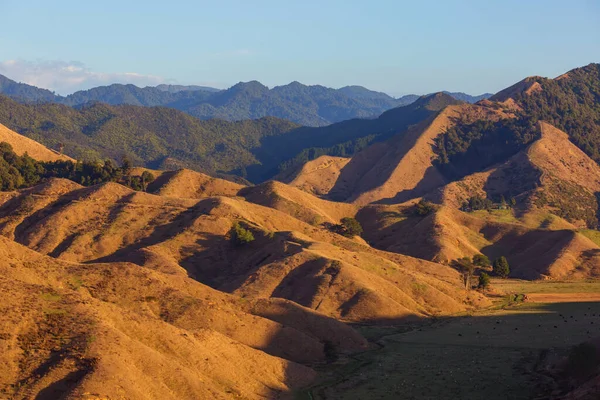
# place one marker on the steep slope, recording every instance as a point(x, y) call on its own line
point(317, 176)
point(118, 330)
point(22, 145)
point(297, 203)
point(346, 138)
point(398, 169)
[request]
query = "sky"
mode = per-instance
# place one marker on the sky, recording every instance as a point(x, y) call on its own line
point(394, 46)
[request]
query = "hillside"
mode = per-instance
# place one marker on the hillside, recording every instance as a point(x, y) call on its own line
point(119, 330)
point(554, 185)
point(23, 145)
point(396, 169)
point(109, 222)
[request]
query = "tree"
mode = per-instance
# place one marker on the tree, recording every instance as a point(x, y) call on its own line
point(466, 268)
point(351, 227)
point(513, 202)
point(501, 267)
point(484, 281)
point(240, 235)
point(146, 178)
point(481, 260)
point(424, 208)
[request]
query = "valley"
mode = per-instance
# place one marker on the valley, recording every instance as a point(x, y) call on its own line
point(486, 354)
point(441, 250)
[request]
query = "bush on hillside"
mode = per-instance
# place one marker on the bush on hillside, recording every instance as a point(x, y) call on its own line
point(424, 208)
point(351, 227)
point(239, 235)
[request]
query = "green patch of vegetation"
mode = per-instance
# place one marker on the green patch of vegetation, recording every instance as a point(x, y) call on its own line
point(349, 227)
point(520, 286)
point(75, 282)
point(53, 297)
point(592, 234)
point(424, 208)
point(240, 236)
point(18, 172)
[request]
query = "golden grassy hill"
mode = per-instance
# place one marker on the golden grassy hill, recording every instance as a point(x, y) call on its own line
point(22, 145)
point(185, 183)
point(118, 330)
point(109, 222)
point(297, 203)
point(393, 171)
point(317, 176)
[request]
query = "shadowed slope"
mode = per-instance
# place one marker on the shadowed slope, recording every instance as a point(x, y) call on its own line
point(119, 330)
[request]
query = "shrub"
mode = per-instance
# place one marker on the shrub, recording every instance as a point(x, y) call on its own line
point(240, 235)
point(351, 227)
point(501, 267)
point(424, 208)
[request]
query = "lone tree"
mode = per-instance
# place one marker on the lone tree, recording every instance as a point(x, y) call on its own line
point(351, 227)
point(466, 268)
point(146, 178)
point(481, 260)
point(484, 281)
point(501, 267)
point(240, 235)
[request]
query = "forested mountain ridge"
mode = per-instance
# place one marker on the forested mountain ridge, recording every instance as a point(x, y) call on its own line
point(570, 102)
point(158, 137)
point(306, 105)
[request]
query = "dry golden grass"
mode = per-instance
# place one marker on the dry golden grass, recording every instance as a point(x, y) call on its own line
point(22, 145)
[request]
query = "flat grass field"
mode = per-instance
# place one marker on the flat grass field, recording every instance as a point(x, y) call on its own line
point(491, 354)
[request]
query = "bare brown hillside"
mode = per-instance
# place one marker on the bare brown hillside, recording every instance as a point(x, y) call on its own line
point(118, 330)
point(112, 223)
point(185, 183)
point(317, 176)
point(22, 145)
point(393, 171)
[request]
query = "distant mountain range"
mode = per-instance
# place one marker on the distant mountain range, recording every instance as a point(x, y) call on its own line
point(302, 104)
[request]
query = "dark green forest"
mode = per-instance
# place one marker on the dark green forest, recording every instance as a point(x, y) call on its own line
point(158, 137)
point(17, 172)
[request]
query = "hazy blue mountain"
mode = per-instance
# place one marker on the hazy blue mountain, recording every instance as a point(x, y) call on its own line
point(25, 93)
point(183, 88)
point(303, 104)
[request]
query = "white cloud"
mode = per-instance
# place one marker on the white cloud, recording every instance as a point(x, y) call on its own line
point(68, 77)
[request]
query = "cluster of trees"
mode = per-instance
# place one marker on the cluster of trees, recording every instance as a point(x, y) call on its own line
point(474, 203)
point(23, 171)
point(467, 267)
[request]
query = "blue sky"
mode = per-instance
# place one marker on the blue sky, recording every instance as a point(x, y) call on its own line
point(394, 46)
